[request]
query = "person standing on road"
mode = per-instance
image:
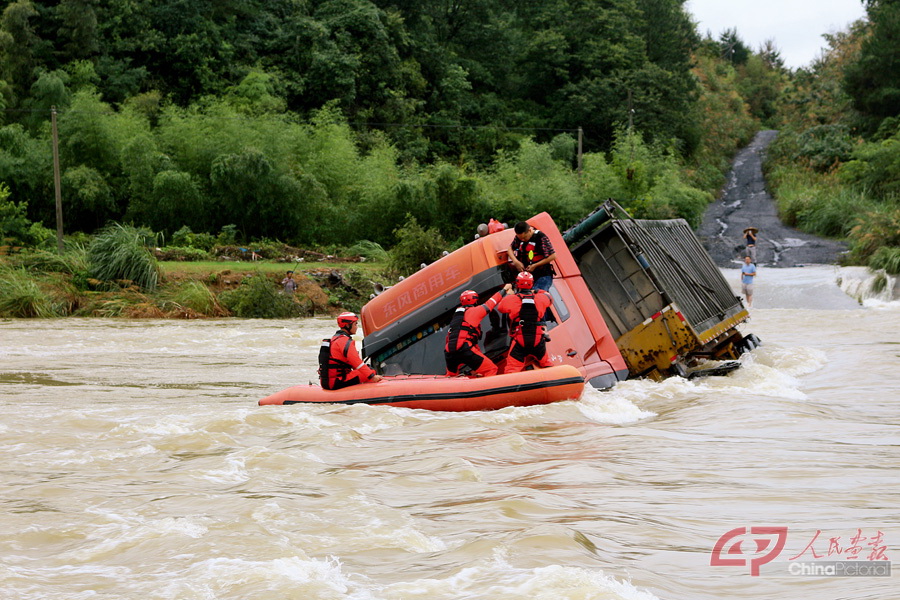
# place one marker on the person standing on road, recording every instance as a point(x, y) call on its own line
point(750, 241)
point(748, 274)
point(532, 252)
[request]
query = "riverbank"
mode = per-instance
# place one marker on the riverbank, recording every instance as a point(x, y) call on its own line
point(32, 285)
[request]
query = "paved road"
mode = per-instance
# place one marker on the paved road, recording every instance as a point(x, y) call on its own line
point(745, 203)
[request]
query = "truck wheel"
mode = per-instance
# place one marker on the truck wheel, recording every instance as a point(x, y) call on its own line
point(748, 343)
point(677, 369)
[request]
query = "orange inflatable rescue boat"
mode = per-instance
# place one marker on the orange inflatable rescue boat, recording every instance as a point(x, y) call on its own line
point(437, 392)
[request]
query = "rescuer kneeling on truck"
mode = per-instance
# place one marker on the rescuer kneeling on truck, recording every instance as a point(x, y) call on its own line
point(464, 334)
point(339, 363)
point(526, 309)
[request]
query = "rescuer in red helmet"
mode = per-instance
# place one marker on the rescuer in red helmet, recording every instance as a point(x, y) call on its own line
point(527, 309)
point(464, 334)
point(339, 363)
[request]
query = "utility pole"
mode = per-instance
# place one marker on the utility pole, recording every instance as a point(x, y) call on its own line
point(580, 138)
point(630, 113)
point(56, 182)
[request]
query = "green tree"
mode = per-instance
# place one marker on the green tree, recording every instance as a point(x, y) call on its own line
point(761, 86)
point(26, 166)
point(176, 200)
point(49, 90)
point(263, 202)
point(13, 219)
point(873, 81)
point(78, 28)
point(18, 43)
point(89, 199)
point(732, 48)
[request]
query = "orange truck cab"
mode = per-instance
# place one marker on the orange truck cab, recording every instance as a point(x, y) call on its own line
point(616, 313)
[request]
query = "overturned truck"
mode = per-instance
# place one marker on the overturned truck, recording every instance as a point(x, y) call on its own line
point(631, 298)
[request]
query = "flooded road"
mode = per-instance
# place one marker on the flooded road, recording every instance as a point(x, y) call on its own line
point(137, 465)
point(745, 202)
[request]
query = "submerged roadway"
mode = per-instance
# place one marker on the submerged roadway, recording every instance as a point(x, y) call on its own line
point(745, 202)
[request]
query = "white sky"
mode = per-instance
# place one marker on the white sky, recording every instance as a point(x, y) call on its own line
point(795, 25)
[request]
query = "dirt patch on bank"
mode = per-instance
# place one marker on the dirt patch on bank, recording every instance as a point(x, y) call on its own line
point(745, 202)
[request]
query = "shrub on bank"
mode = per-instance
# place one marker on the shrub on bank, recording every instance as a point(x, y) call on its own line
point(181, 253)
point(258, 298)
point(415, 246)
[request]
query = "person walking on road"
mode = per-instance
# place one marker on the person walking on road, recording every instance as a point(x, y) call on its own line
point(748, 274)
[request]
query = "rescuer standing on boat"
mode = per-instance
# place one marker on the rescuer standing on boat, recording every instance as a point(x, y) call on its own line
point(526, 309)
point(339, 363)
point(532, 252)
point(464, 334)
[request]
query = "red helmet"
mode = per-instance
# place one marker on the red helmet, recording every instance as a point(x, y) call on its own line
point(525, 280)
point(468, 298)
point(346, 320)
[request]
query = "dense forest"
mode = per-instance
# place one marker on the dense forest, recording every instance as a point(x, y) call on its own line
point(329, 122)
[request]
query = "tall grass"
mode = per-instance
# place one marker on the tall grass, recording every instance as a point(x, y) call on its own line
point(20, 296)
point(195, 297)
point(887, 258)
point(877, 227)
point(73, 261)
point(121, 252)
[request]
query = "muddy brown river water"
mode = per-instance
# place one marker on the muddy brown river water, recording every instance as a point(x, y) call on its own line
point(137, 465)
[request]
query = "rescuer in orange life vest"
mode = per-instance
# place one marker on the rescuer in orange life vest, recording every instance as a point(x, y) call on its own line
point(464, 334)
point(526, 309)
point(339, 363)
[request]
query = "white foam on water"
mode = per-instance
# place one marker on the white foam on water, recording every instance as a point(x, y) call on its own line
point(282, 577)
point(92, 455)
point(864, 285)
point(294, 416)
point(512, 414)
point(794, 361)
point(498, 580)
point(879, 304)
point(119, 532)
point(384, 527)
point(767, 371)
point(617, 406)
point(32, 583)
point(233, 471)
